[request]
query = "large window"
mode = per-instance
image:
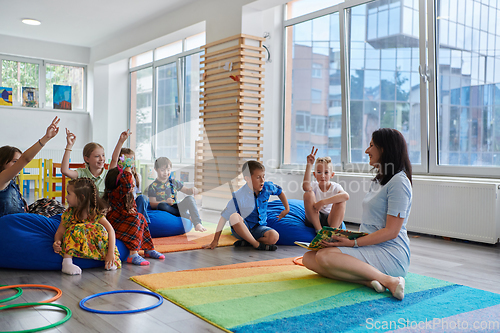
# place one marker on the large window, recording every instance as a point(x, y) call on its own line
point(384, 79)
point(438, 84)
point(313, 64)
point(31, 82)
point(468, 75)
point(165, 101)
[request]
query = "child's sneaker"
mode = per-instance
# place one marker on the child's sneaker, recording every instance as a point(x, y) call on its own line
point(137, 260)
point(153, 254)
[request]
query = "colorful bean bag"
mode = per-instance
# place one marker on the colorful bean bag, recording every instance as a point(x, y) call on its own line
point(164, 224)
point(292, 227)
point(26, 242)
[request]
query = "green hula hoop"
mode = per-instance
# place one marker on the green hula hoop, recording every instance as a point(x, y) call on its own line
point(19, 293)
point(62, 321)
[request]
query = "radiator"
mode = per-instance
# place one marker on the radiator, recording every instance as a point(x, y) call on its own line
point(462, 208)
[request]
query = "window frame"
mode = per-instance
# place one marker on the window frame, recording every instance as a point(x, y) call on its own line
point(42, 81)
point(179, 60)
point(344, 16)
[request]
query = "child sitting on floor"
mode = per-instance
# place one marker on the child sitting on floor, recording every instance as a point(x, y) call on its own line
point(162, 195)
point(247, 211)
point(12, 161)
point(140, 201)
point(130, 226)
point(324, 200)
point(84, 231)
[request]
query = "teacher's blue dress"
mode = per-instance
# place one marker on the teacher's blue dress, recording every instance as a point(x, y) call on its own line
point(391, 257)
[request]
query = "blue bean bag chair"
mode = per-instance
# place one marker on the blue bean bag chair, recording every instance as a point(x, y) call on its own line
point(292, 227)
point(26, 242)
point(164, 224)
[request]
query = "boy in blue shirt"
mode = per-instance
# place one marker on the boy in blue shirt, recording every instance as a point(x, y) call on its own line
point(247, 211)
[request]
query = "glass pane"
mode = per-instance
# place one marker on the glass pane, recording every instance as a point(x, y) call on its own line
point(16, 75)
point(168, 50)
point(297, 8)
point(313, 111)
point(168, 112)
point(191, 107)
point(141, 113)
point(195, 41)
point(468, 86)
point(385, 91)
point(66, 76)
point(141, 59)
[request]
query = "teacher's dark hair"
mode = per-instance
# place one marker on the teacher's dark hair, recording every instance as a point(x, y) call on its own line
point(394, 157)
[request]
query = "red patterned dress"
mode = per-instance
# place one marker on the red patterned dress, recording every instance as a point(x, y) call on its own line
point(130, 226)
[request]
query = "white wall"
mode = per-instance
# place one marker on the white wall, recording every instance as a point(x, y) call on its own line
point(22, 127)
point(44, 50)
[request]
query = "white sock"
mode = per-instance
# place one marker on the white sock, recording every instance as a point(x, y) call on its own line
point(69, 268)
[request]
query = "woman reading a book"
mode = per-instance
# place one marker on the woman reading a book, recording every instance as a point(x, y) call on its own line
point(380, 259)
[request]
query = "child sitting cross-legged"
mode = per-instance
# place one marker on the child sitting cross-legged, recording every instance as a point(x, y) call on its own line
point(84, 231)
point(130, 226)
point(247, 211)
point(162, 194)
point(324, 200)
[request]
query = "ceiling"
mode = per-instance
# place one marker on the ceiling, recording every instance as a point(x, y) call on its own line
point(81, 23)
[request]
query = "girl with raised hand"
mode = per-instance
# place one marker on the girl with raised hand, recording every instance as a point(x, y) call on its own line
point(119, 152)
point(84, 231)
point(93, 155)
point(12, 161)
point(130, 226)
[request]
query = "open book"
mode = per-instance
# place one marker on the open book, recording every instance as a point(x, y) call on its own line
point(326, 234)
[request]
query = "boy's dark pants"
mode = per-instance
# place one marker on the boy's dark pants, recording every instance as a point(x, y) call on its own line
point(186, 208)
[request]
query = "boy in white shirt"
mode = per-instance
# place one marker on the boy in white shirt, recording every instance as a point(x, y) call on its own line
point(324, 200)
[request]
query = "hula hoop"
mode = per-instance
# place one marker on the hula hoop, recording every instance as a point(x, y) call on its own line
point(19, 293)
point(57, 290)
point(22, 305)
point(160, 301)
point(298, 261)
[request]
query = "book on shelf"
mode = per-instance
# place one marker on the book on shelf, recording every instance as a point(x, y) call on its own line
point(326, 234)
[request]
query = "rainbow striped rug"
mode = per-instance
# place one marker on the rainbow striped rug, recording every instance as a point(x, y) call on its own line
point(279, 296)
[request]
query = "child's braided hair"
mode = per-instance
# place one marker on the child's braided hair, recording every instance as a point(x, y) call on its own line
point(88, 198)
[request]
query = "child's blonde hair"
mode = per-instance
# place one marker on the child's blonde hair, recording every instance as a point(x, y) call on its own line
point(88, 198)
point(326, 160)
point(89, 148)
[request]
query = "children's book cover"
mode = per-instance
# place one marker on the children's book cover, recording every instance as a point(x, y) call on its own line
point(326, 234)
point(5, 96)
point(62, 97)
point(30, 97)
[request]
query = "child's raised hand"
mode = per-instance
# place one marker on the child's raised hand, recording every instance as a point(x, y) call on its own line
point(57, 246)
point(70, 139)
point(311, 158)
point(52, 130)
point(124, 135)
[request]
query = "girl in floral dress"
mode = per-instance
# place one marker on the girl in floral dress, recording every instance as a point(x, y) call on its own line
point(84, 231)
point(130, 226)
